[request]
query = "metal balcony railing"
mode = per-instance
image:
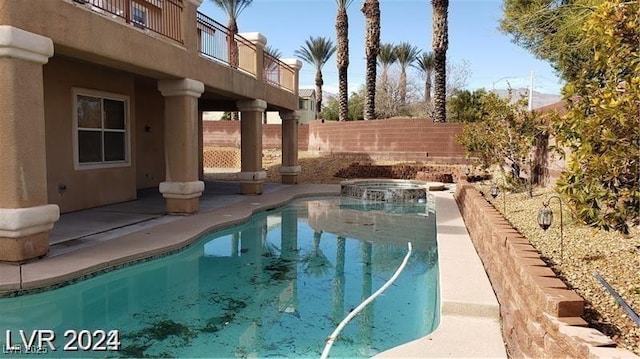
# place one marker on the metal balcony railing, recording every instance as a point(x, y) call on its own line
point(277, 73)
point(163, 17)
point(215, 42)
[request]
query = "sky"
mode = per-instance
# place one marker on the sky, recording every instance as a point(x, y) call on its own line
point(493, 60)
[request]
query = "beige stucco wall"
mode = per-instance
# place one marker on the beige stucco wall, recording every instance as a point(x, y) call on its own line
point(78, 32)
point(84, 188)
point(149, 124)
point(23, 174)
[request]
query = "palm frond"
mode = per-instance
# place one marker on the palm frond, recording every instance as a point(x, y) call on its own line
point(406, 54)
point(343, 4)
point(273, 51)
point(316, 51)
point(387, 55)
point(233, 8)
point(425, 62)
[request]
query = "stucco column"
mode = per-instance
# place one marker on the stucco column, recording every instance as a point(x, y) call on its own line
point(182, 188)
point(252, 175)
point(200, 146)
point(259, 41)
point(190, 35)
point(25, 216)
point(290, 168)
point(296, 65)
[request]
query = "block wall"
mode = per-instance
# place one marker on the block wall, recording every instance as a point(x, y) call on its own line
point(541, 317)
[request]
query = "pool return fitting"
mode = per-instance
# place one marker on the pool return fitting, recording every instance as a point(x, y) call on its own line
point(332, 338)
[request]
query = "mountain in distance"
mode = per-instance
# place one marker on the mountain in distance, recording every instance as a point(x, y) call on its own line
point(326, 96)
point(539, 99)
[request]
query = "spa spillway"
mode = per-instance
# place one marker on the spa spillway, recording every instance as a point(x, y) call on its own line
point(389, 190)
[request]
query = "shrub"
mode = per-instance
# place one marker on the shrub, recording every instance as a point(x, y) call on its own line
point(602, 126)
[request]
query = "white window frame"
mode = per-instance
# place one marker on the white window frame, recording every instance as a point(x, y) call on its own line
point(127, 130)
point(144, 10)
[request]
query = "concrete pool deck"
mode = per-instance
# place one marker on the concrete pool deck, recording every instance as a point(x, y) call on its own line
point(470, 315)
point(92, 240)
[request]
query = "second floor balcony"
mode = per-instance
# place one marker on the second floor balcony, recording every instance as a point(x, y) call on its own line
point(159, 39)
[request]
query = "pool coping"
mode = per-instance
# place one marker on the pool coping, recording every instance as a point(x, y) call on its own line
point(133, 247)
point(469, 321)
point(470, 325)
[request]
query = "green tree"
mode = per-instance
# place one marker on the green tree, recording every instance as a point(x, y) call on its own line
point(551, 30)
point(440, 44)
point(356, 107)
point(371, 11)
point(425, 64)
point(602, 129)
point(330, 111)
point(406, 54)
point(233, 9)
point(317, 51)
point(342, 36)
point(465, 106)
point(504, 134)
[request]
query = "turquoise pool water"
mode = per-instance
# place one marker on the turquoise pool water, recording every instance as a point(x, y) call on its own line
point(276, 286)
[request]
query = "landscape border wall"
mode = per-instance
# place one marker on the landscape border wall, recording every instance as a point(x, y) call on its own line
point(541, 317)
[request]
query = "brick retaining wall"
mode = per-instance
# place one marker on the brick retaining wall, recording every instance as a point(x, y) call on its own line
point(541, 317)
point(397, 139)
point(227, 134)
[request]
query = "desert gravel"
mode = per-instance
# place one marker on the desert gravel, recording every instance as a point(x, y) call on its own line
point(583, 252)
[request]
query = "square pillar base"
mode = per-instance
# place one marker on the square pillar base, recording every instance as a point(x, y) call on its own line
point(251, 187)
point(289, 178)
point(24, 248)
point(182, 206)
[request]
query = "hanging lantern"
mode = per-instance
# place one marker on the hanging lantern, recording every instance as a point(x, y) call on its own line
point(545, 218)
point(494, 191)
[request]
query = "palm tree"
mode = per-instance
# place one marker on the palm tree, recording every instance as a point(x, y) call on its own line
point(386, 57)
point(440, 44)
point(371, 11)
point(406, 54)
point(342, 36)
point(232, 8)
point(316, 51)
point(425, 64)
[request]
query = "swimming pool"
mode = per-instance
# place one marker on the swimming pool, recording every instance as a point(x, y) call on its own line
point(275, 286)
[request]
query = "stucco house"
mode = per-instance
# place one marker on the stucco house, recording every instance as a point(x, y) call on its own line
point(100, 98)
point(307, 105)
point(306, 108)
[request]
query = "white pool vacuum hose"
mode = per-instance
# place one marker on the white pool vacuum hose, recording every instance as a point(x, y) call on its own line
point(332, 338)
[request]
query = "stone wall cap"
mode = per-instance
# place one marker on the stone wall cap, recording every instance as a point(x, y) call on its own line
point(19, 44)
point(181, 190)
point(294, 63)
point(255, 37)
point(20, 222)
point(251, 105)
point(182, 87)
point(289, 115)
